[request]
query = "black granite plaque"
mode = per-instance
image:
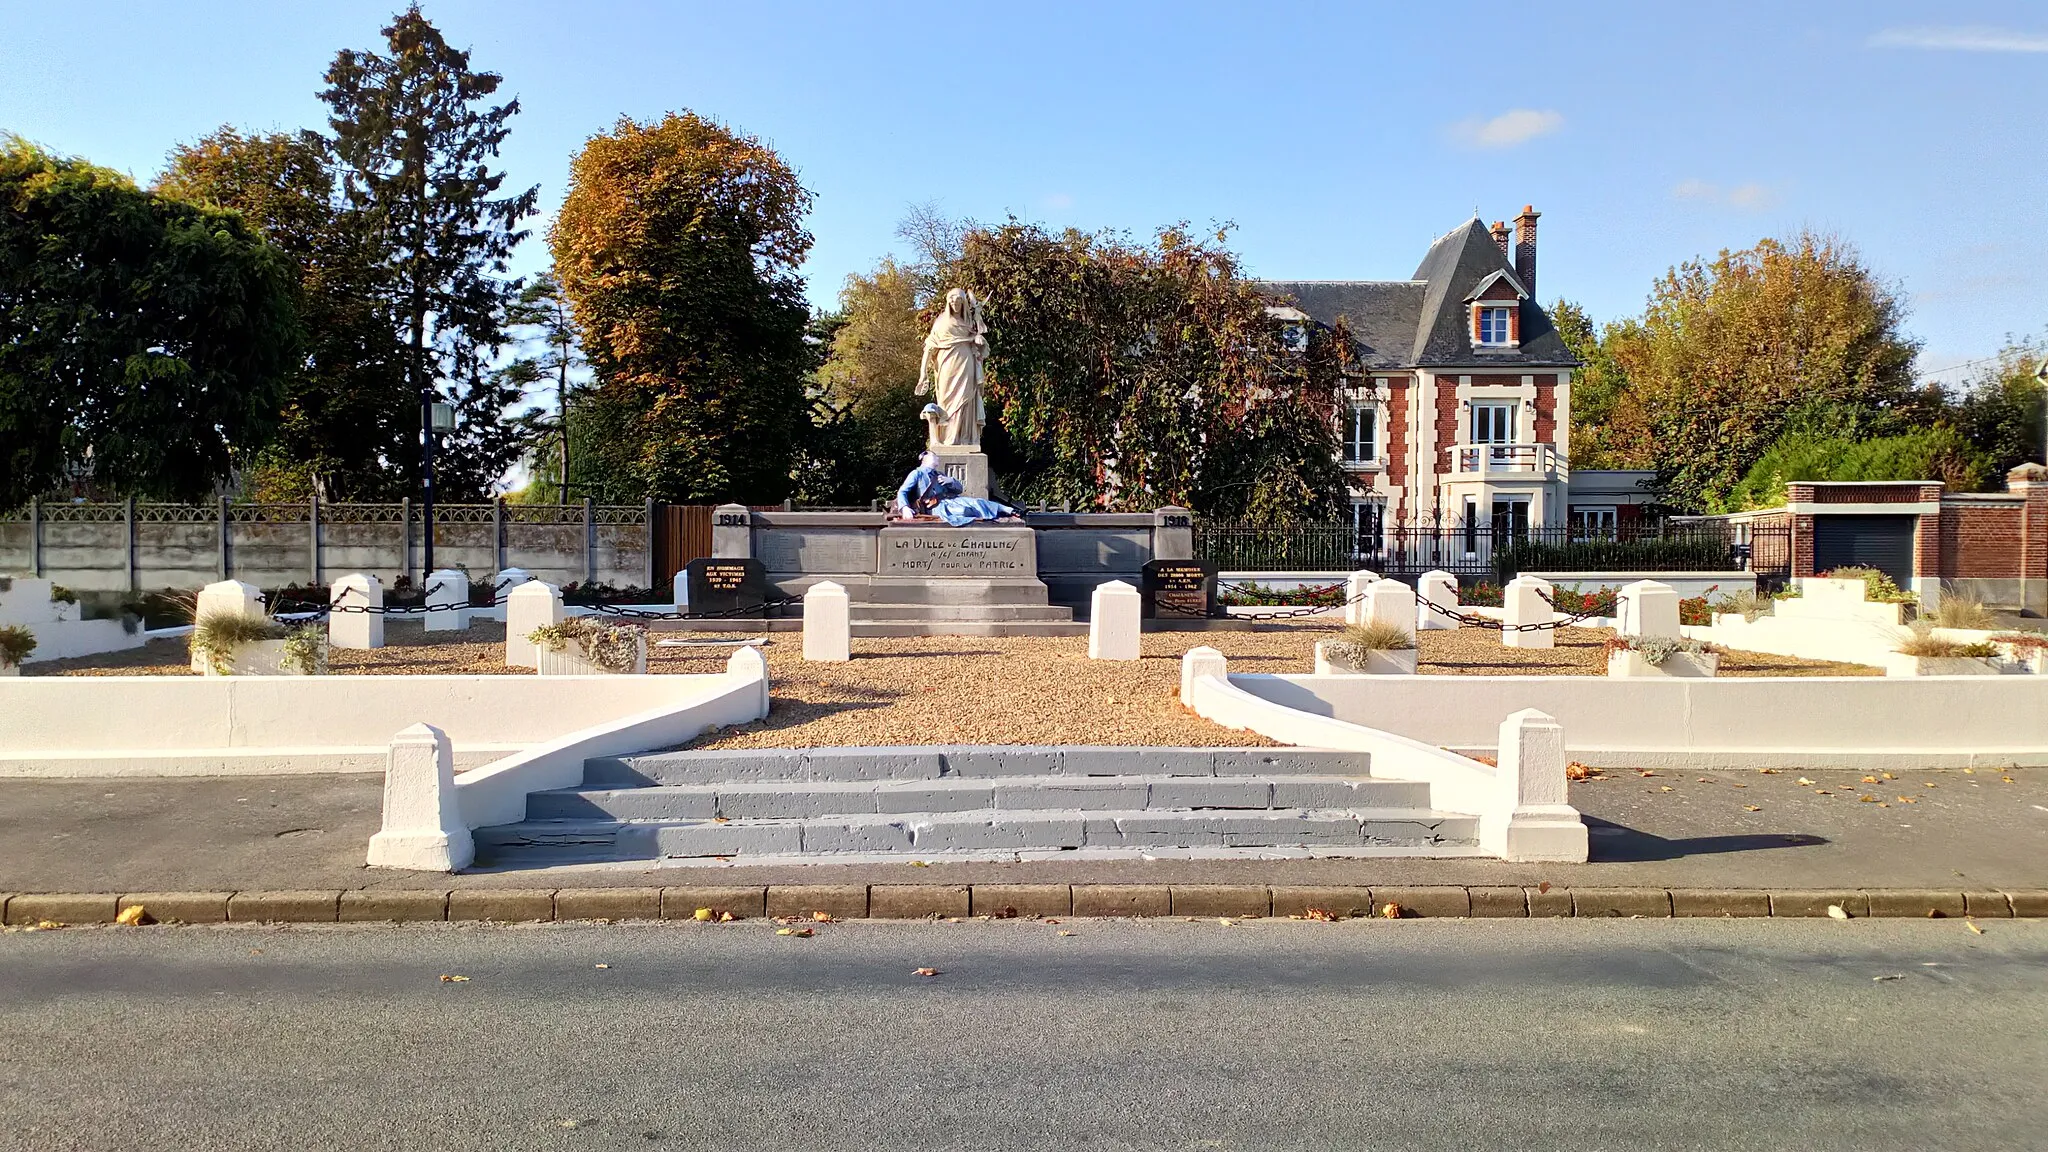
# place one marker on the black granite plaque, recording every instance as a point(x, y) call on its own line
point(737, 586)
point(1180, 590)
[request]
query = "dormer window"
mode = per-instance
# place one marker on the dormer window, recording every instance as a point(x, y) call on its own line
point(1495, 325)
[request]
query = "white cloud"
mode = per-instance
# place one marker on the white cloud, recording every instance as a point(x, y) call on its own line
point(1516, 126)
point(1969, 38)
point(1750, 197)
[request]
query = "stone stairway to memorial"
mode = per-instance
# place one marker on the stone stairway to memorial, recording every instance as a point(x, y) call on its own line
point(801, 805)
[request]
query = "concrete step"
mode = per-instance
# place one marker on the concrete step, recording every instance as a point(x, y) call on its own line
point(1040, 628)
point(937, 761)
point(956, 613)
point(1401, 830)
point(773, 799)
point(954, 590)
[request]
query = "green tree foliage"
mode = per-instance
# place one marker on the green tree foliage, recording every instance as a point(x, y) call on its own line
point(678, 246)
point(867, 429)
point(545, 324)
point(1597, 386)
point(143, 340)
point(415, 134)
point(2000, 411)
point(1938, 453)
point(1134, 375)
point(349, 412)
point(1792, 335)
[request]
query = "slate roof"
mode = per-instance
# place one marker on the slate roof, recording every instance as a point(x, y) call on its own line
point(1423, 322)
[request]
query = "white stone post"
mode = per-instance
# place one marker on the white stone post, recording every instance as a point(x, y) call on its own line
point(423, 828)
point(1200, 662)
point(1440, 588)
point(1531, 818)
point(1391, 601)
point(534, 604)
point(447, 601)
point(226, 598)
point(1525, 601)
point(681, 591)
point(748, 664)
point(27, 601)
point(1113, 615)
point(732, 532)
point(828, 630)
point(1355, 586)
point(1648, 608)
point(504, 582)
point(351, 629)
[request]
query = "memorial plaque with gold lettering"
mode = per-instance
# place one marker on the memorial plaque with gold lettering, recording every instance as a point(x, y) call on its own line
point(728, 585)
point(1180, 590)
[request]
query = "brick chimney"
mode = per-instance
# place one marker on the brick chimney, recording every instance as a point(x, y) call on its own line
point(1525, 249)
point(1500, 236)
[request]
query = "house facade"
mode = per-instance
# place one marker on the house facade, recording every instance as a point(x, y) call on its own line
point(1461, 412)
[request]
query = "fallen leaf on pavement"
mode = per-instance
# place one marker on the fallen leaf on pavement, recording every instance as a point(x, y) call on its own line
point(726, 917)
point(924, 971)
point(705, 914)
point(49, 925)
point(1909, 799)
point(1224, 920)
point(1323, 914)
point(1872, 780)
point(822, 917)
point(1803, 782)
point(1390, 910)
point(604, 965)
point(131, 915)
point(447, 979)
point(1867, 799)
point(1664, 788)
point(1835, 912)
point(1751, 808)
point(1768, 771)
point(1050, 920)
point(920, 863)
point(1822, 792)
point(1972, 925)
point(1644, 772)
point(1543, 887)
point(796, 932)
point(1578, 771)
point(1894, 977)
point(1064, 932)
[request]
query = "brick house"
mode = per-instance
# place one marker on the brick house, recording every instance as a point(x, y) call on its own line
point(1988, 546)
point(1461, 413)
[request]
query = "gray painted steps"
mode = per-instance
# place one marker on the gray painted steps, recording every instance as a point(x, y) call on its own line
point(941, 761)
point(536, 842)
point(782, 799)
point(888, 628)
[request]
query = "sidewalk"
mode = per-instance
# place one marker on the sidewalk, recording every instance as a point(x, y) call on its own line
point(1957, 831)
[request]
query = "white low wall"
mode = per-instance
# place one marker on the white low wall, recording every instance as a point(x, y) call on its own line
point(1687, 584)
point(191, 725)
point(1730, 722)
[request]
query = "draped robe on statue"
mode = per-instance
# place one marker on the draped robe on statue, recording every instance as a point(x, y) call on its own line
point(951, 368)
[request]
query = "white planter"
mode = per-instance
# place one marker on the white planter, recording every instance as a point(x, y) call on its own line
point(1900, 664)
point(1685, 664)
point(256, 658)
point(1386, 662)
point(570, 661)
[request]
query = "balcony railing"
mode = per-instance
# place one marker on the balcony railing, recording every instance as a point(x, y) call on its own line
point(1519, 459)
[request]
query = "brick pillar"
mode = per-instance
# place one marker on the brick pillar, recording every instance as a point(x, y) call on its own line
point(1525, 249)
point(1802, 546)
point(2031, 481)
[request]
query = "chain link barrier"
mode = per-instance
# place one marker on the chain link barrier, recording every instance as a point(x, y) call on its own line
point(1601, 607)
point(313, 610)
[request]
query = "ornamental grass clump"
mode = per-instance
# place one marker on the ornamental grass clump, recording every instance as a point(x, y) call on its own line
point(216, 637)
point(1926, 645)
point(1655, 650)
point(1356, 640)
point(1962, 612)
point(612, 647)
point(1745, 602)
point(16, 643)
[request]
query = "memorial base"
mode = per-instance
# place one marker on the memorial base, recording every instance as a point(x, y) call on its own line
point(967, 465)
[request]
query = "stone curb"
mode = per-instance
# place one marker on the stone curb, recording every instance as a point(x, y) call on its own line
point(917, 901)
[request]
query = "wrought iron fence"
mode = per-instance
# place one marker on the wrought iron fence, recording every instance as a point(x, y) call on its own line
point(1483, 551)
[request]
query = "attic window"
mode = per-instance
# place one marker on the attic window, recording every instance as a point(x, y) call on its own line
point(1495, 325)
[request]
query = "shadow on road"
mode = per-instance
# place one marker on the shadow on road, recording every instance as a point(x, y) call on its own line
point(1613, 843)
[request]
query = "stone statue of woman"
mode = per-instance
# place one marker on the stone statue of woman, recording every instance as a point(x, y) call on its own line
point(951, 367)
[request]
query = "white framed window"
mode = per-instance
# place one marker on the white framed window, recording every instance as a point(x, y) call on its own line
point(1368, 520)
point(1593, 522)
point(1493, 324)
point(1493, 422)
point(1361, 433)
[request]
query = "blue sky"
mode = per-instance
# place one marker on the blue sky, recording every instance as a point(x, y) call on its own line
point(1339, 138)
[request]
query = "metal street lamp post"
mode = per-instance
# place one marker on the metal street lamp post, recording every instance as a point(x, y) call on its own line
point(436, 417)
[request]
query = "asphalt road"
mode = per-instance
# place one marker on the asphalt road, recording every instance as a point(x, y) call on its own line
point(1266, 1035)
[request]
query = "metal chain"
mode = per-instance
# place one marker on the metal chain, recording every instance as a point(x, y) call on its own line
point(1601, 608)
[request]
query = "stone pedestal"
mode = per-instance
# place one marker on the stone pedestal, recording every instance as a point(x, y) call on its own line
point(1390, 602)
point(983, 551)
point(534, 604)
point(1648, 608)
point(448, 601)
point(352, 629)
point(1441, 589)
point(827, 623)
point(1524, 601)
point(967, 465)
point(1114, 622)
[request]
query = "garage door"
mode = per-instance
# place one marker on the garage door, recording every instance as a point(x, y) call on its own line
point(1881, 542)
